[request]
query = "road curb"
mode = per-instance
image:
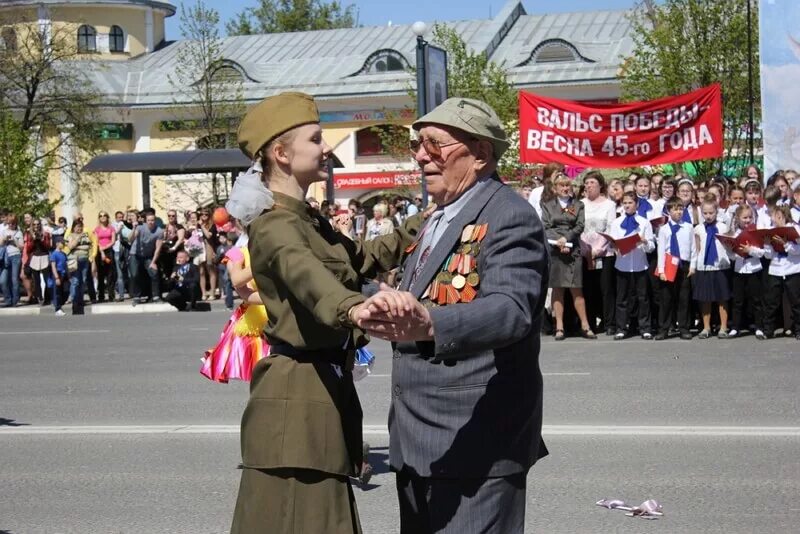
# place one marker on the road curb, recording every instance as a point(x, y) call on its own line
point(94, 309)
point(111, 309)
point(26, 310)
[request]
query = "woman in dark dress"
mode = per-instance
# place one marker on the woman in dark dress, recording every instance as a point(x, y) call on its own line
point(563, 219)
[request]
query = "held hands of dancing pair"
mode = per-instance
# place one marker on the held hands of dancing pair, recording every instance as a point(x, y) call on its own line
point(393, 315)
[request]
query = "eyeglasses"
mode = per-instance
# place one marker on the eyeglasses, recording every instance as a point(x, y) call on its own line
point(431, 146)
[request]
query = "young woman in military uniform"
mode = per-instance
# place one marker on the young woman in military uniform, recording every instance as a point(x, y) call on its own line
point(301, 431)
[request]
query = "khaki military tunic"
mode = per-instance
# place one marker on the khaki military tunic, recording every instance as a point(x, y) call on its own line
point(304, 412)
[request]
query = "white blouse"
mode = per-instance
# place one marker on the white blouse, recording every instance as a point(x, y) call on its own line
point(599, 215)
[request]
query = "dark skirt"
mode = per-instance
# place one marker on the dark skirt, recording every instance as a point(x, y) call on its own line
point(566, 270)
point(711, 286)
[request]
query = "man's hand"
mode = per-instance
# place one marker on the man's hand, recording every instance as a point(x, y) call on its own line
point(394, 316)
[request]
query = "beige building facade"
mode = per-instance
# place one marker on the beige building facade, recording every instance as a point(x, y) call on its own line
point(359, 76)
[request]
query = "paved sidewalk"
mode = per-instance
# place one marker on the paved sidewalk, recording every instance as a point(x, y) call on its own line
point(109, 308)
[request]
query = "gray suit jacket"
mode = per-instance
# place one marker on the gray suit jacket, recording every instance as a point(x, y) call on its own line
point(469, 403)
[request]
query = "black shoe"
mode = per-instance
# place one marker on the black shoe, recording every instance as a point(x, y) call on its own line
point(610, 331)
point(588, 334)
point(661, 336)
point(686, 335)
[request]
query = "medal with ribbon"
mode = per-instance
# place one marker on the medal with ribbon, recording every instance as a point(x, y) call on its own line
point(458, 278)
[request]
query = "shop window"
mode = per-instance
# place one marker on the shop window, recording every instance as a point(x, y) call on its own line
point(9, 39)
point(87, 39)
point(116, 39)
point(383, 140)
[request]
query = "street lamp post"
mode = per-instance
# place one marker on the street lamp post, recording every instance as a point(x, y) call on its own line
point(419, 28)
point(751, 132)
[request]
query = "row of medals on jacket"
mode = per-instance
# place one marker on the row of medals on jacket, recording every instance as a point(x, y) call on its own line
point(458, 279)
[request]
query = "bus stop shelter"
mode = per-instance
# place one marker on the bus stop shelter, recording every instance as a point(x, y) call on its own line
point(223, 160)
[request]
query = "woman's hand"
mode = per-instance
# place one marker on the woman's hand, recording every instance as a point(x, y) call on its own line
point(562, 242)
point(343, 223)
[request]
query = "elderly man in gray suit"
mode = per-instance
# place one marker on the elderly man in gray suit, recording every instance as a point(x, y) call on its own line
point(466, 413)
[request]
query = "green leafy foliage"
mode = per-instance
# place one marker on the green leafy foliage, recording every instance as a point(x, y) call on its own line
point(277, 16)
point(682, 45)
point(44, 86)
point(23, 175)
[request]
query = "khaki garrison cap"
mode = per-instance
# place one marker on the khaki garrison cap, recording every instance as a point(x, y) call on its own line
point(273, 116)
point(472, 116)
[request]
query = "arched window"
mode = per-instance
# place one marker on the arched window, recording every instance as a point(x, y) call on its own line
point(554, 51)
point(9, 39)
point(87, 39)
point(116, 39)
point(226, 73)
point(383, 61)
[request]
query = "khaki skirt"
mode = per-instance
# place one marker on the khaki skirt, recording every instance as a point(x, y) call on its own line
point(301, 439)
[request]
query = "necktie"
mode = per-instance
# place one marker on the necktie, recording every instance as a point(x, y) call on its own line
point(687, 215)
point(644, 207)
point(711, 244)
point(674, 247)
point(426, 241)
point(629, 224)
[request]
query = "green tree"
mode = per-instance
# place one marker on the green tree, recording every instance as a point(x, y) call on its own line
point(23, 174)
point(276, 16)
point(44, 85)
point(681, 45)
point(211, 88)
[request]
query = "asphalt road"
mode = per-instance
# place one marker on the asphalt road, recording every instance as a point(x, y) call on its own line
point(106, 426)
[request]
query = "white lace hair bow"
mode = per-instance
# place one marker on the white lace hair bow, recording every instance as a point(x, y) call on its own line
point(249, 197)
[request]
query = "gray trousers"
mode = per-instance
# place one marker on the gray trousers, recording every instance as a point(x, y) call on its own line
point(461, 506)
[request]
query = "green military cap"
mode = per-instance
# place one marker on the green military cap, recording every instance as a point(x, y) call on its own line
point(273, 116)
point(472, 116)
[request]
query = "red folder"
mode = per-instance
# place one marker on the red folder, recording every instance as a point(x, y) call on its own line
point(734, 243)
point(658, 222)
point(787, 233)
point(671, 264)
point(623, 244)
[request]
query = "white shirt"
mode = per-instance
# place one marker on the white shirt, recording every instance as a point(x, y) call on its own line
point(796, 214)
point(749, 265)
point(685, 243)
point(784, 265)
point(535, 199)
point(599, 215)
point(658, 207)
point(636, 260)
point(761, 214)
point(723, 261)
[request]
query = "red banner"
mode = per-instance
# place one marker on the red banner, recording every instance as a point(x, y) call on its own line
point(375, 180)
point(668, 130)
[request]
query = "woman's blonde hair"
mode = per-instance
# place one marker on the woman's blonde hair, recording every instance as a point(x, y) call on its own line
point(383, 209)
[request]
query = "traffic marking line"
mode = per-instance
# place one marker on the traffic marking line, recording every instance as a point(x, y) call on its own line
point(382, 430)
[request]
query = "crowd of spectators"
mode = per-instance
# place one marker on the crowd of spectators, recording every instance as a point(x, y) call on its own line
point(678, 279)
point(135, 256)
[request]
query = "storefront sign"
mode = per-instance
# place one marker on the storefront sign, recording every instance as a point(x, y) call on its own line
point(367, 115)
point(674, 129)
point(375, 180)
